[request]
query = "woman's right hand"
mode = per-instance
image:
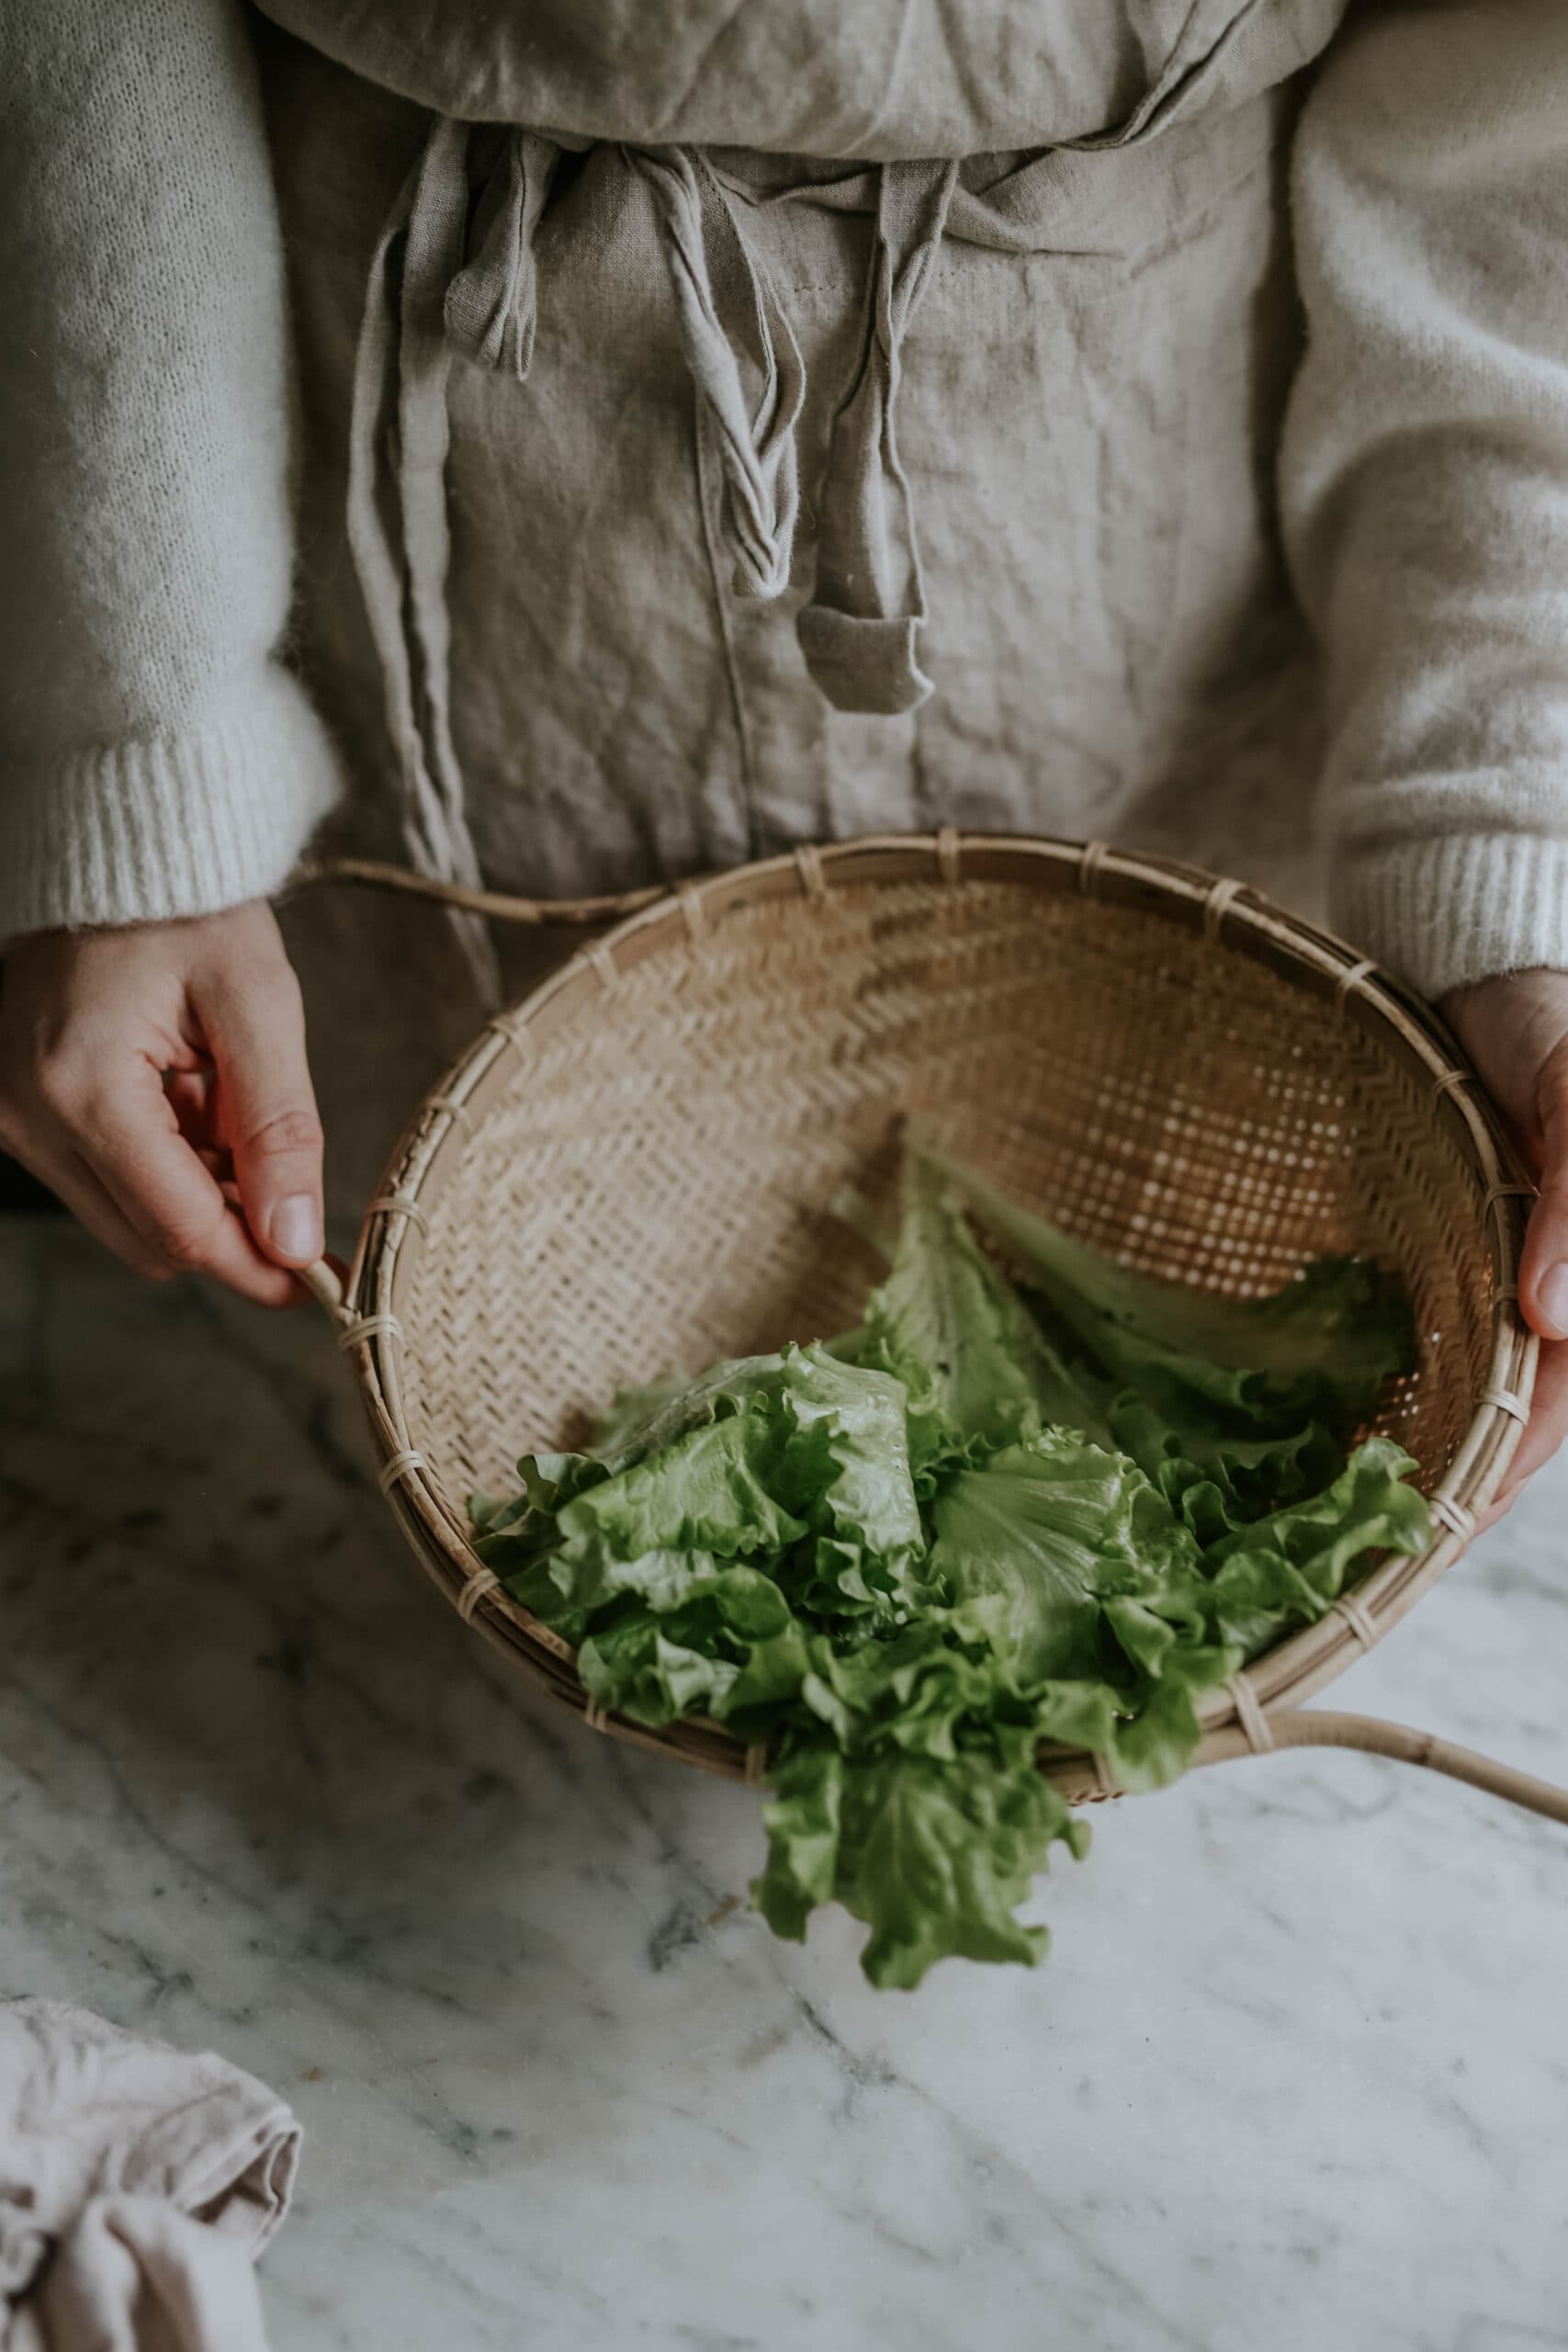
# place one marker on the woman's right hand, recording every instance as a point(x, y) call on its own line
point(155, 1078)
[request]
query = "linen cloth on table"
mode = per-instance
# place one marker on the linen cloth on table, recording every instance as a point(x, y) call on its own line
point(138, 2186)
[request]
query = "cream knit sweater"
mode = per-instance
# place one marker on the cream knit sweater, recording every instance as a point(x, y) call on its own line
point(1426, 480)
point(156, 758)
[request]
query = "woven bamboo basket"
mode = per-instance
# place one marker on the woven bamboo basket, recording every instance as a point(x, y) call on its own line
point(631, 1170)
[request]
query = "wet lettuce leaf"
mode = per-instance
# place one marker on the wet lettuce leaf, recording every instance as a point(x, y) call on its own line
point(934, 1857)
point(792, 1459)
point(1290, 1568)
point(1075, 1572)
point(1319, 1348)
point(1217, 1480)
point(976, 1363)
point(989, 1518)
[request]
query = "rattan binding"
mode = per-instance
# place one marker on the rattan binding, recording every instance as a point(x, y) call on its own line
point(623, 1178)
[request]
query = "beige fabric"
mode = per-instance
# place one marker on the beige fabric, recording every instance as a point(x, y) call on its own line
point(138, 2186)
point(879, 81)
point(1097, 532)
point(1108, 631)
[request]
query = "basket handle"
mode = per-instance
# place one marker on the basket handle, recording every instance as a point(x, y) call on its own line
point(1323, 1728)
point(324, 1284)
point(498, 904)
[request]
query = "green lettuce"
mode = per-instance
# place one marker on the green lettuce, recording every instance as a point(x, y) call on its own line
point(991, 1519)
point(1087, 1589)
point(1290, 1568)
point(934, 1857)
point(975, 1363)
point(1234, 1407)
point(1322, 1345)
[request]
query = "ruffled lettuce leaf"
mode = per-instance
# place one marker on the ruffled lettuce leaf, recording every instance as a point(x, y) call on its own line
point(1290, 1568)
point(1088, 1589)
point(978, 1371)
point(1318, 1348)
point(728, 1642)
point(825, 1445)
point(1217, 1480)
point(935, 1858)
point(714, 1489)
point(1034, 1542)
point(1233, 1408)
point(639, 1409)
point(796, 1460)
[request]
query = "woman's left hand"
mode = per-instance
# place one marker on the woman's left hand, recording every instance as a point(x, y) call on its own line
point(1515, 1030)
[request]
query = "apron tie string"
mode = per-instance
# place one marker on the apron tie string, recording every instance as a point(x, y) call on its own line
point(860, 634)
point(726, 304)
point(402, 546)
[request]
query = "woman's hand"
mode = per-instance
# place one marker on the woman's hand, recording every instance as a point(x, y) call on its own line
point(155, 1078)
point(1516, 1031)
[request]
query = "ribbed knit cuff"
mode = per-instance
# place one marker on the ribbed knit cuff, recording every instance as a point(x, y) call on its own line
point(176, 824)
point(1460, 908)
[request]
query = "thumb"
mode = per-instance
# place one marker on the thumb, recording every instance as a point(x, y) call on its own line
point(1543, 1272)
point(255, 1024)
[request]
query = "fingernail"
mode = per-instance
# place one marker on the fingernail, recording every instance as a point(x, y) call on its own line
point(1551, 1296)
point(296, 1229)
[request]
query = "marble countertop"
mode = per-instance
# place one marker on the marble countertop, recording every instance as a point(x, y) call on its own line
point(1296, 2073)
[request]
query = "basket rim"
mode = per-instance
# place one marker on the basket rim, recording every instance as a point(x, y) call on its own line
point(1232, 916)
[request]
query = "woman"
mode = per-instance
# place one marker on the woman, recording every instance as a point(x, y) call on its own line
point(600, 440)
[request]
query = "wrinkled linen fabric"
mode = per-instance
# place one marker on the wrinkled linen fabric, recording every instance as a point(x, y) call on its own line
point(974, 446)
point(619, 565)
point(138, 2186)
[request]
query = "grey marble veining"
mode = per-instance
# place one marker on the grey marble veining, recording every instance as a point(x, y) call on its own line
point(1296, 2073)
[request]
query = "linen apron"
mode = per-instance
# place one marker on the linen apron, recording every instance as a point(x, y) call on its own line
point(716, 436)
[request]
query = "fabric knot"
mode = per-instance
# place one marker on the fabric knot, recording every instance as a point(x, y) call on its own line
point(491, 306)
point(861, 632)
point(729, 308)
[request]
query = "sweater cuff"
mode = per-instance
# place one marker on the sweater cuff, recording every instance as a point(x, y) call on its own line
point(1463, 908)
point(170, 825)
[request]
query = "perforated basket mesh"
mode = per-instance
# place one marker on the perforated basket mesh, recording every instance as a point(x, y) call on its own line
point(633, 1170)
